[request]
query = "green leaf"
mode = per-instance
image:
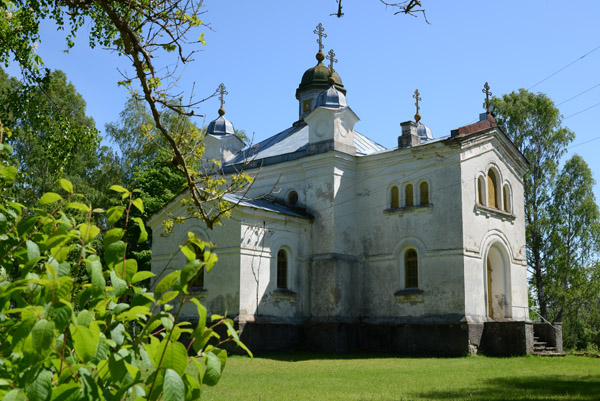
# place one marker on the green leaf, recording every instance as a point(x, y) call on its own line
point(114, 253)
point(78, 206)
point(166, 283)
point(175, 357)
point(66, 185)
point(118, 334)
point(173, 387)
point(139, 204)
point(143, 233)
point(130, 269)
point(66, 392)
point(231, 331)
point(91, 230)
point(42, 335)
point(119, 285)
point(40, 389)
point(85, 318)
point(167, 297)
point(118, 188)
point(201, 316)
point(94, 268)
point(113, 235)
point(140, 276)
point(188, 273)
point(49, 197)
point(61, 315)
point(137, 312)
point(189, 251)
point(114, 214)
point(33, 250)
point(9, 173)
point(212, 374)
point(15, 395)
point(85, 342)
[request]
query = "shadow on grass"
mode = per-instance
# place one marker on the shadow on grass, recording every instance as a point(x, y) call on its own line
point(298, 356)
point(526, 388)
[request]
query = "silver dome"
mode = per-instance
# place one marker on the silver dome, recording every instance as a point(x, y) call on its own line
point(424, 132)
point(332, 98)
point(220, 126)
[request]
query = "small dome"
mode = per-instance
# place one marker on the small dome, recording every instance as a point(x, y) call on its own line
point(317, 77)
point(332, 98)
point(424, 132)
point(220, 126)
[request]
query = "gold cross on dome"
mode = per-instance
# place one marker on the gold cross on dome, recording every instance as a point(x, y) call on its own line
point(221, 89)
point(417, 97)
point(320, 32)
point(486, 90)
point(332, 59)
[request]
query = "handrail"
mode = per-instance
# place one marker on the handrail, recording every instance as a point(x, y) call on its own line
point(536, 312)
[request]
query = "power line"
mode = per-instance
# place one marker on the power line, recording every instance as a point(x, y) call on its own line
point(581, 111)
point(579, 94)
point(564, 68)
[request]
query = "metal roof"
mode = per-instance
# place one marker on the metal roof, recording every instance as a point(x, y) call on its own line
point(264, 204)
point(295, 139)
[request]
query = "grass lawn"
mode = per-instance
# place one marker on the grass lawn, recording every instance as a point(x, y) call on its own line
point(303, 376)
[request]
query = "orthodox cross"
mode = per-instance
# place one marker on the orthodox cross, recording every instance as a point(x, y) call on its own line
point(319, 32)
point(417, 97)
point(222, 91)
point(332, 59)
point(486, 90)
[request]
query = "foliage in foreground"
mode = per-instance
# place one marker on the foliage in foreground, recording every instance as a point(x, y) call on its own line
point(76, 325)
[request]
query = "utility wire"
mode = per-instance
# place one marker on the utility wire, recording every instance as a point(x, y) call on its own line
point(581, 111)
point(579, 94)
point(564, 68)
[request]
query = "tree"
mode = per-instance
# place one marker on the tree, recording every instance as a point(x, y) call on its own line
point(572, 273)
point(535, 126)
point(51, 134)
point(145, 32)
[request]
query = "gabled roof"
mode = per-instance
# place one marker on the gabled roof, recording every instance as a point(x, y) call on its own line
point(293, 140)
point(265, 204)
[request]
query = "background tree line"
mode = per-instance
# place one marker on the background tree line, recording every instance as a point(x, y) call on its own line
point(562, 218)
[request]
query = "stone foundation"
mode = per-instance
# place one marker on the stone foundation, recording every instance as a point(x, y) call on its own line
point(422, 339)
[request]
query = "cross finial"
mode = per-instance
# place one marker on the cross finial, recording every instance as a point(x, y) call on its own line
point(222, 91)
point(486, 90)
point(332, 59)
point(320, 32)
point(417, 97)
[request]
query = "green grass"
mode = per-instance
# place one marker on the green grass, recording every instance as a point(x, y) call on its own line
point(301, 376)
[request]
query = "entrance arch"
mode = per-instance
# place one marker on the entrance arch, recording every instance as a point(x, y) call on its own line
point(497, 279)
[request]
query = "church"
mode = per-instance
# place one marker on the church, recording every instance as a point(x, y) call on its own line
point(342, 244)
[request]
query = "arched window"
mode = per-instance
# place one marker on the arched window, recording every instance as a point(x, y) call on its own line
point(282, 269)
point(198, 282)
point(481, 191)
point(506, 198)
point(492, 189)
point(395, 198)
point(411, 269)
point(408, 192)
point(424, 192)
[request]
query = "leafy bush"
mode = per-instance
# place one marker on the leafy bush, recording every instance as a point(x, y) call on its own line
point(77, 325)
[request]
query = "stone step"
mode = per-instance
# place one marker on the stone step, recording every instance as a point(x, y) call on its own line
point(545, 353)
point(539, 343)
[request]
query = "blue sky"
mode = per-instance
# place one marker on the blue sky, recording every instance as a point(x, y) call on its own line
point(260, 50)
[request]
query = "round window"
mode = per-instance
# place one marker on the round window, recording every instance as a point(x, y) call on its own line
point(293, 198)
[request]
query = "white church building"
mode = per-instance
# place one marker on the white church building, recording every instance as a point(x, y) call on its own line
point(342, 244)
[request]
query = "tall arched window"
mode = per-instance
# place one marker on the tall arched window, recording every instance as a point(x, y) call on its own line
point(198, 282)
point(424, 192)
point(408, 192)
point(481, 191)
point(506, 198)
point(395, 198)
point(411, 269)
point(282, 269)
point(492, 189)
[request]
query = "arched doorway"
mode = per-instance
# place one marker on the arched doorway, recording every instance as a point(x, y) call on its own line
point(497, 283)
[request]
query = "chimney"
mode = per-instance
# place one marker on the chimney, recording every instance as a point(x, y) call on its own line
point(409, 135)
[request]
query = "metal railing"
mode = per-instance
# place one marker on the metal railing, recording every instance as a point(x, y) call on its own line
point(540, 316)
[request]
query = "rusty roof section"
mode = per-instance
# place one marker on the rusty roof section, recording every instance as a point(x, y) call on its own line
point(489, 122)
